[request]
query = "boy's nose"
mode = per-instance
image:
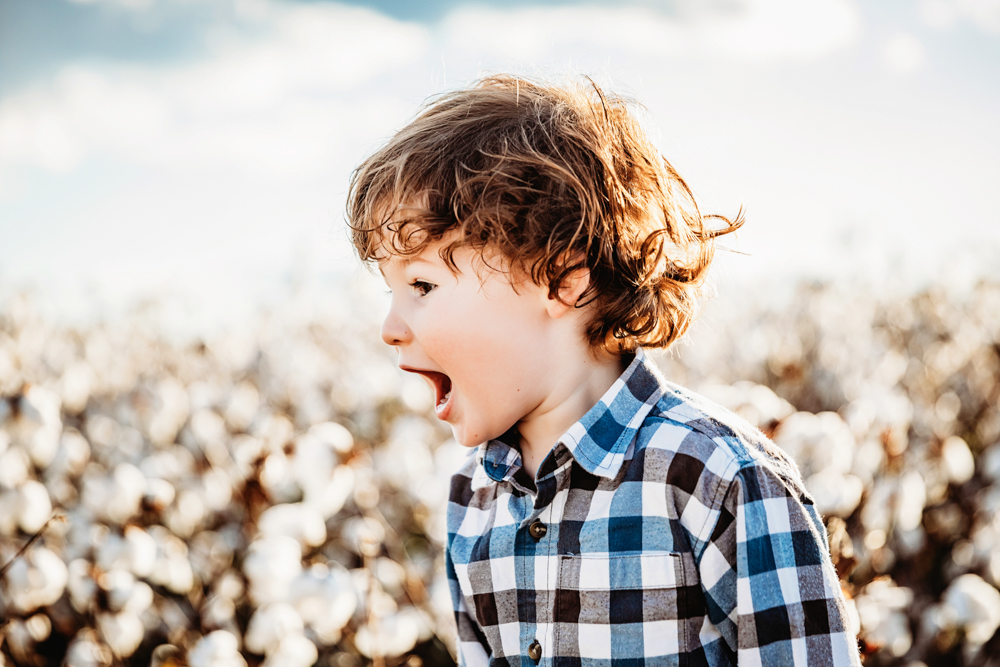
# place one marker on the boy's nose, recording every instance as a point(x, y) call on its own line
point(394, 330)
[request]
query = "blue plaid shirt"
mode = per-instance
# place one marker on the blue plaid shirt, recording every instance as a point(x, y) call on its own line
point(660, 529)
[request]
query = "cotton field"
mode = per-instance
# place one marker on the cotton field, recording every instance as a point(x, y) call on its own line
point(276, 496)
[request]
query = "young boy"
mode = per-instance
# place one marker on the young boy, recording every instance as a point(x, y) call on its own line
point(535, 242)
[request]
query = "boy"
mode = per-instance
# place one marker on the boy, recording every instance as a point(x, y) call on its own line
point(534, 242)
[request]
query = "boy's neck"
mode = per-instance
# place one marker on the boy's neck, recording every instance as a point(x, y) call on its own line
point(577, 389)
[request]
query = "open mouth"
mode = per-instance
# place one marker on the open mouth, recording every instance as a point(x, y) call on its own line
point(442, 388)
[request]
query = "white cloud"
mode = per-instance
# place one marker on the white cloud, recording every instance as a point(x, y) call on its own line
point(903, 53)
point(752, 29)
point(277, 105)
point(945, 14)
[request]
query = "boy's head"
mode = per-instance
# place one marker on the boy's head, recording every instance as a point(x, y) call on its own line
point(549, 180)
point(531, 235)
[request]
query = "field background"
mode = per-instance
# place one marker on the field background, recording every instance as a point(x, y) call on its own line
point(207, 457)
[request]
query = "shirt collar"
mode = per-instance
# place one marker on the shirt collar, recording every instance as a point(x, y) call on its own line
point(599, 440)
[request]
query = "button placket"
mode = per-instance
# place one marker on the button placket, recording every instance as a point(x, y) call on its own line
point(537, 530)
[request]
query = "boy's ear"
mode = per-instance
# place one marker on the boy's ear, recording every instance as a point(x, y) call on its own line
point(572, 288)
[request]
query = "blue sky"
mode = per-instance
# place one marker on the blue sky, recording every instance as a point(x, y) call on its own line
point(171, 146)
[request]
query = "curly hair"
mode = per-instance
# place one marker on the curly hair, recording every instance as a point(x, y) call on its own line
point(554, 178)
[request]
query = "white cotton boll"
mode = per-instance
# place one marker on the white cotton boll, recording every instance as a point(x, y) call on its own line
point(209, 431)
point(325, 599)
point(172, 464)
point(14, 467)
point(39, 627)
point(86, 651)
point(393, 635)
point(19, 641)
point(118, 585)
point(817, 442)
point(835, 494)
point(882, 608)
point(229, 585)
point(217, 649)
point(277, 479)
point(334, 436)
point(362, 535)
point(957, 460)
point(974, 606)
point(140, 549)
point(293, 651)
point(210, 554)
point(272, 563)
point(123, 632)
point(34, 508)
point(73, 454)
point(44, 444)
point(269, 624)
point(172, 413)
point(81, 585)
point(111, 552)
point(75, 386)
point(217, 489)
point(296, 520)
point(172, 568)
point(242, 406)
point(159, 494)
point(313, 463)
point(36, 579)
point(141, 598)
point(910, 500)
point(10, 511)
point(868, 460)
point(128, 487)
point(187, 514)
point(41, 406)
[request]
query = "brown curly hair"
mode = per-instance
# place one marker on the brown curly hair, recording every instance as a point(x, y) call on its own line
point(554, 178)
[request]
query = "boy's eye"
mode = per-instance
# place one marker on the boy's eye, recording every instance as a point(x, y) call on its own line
point(422, 287)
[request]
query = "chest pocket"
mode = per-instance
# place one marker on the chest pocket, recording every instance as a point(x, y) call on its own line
point(624, 606)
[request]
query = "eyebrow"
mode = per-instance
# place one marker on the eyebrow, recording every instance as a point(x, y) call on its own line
point(406, 261)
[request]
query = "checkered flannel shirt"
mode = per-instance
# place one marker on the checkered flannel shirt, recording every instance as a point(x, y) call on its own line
point(660, 530)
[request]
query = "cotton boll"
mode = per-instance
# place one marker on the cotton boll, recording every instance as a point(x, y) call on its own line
point(81, 585)
point(123, 632)
point(20, 642)
point(957, 460)
point(159, 494)
point(172, 568)
point(817, 442)
point(34, 508)
point(835, 494)
point(75, 386)
point(41, 424)
point(217, 649)
point(117, 585)
point(244, 401)
point(293, 651)
point(210, 433)
point(297, 520)
point(210, 554)
point(325, 599)
point(174, 406)
point(975, 606)
point(86, 651)
point(140, 550)
point(272, 563)
point(36, 579)
point(363, 535)
point(72, 456)
point(187, 514)
point(910, 500)
point(393, 635)
point(269, 624)
point(278, 480)
point(882, 608)
point(10, 511)
point(14, 467)
point(334, 436)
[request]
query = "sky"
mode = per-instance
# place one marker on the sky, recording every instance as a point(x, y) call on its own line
point(200, 151)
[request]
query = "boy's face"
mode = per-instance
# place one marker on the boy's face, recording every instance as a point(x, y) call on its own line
point(485, 348)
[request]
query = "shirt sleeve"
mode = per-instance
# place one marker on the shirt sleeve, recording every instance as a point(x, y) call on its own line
point(770, 588)
point(472, 647)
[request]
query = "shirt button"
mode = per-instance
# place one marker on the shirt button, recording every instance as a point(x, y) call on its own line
point(535, 651)
point(537, 530)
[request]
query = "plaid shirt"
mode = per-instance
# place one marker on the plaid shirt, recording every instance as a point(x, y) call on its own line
point(660, 530)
